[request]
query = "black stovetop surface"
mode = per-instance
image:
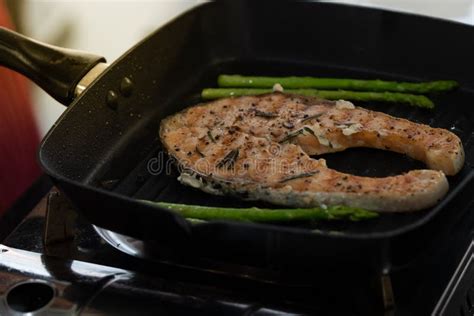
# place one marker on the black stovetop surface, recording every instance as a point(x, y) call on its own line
point(111, 282)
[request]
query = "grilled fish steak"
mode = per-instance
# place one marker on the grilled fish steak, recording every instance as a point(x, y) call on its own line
point(259, 148)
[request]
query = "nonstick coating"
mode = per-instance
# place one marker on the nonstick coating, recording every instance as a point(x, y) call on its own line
point(100, 150)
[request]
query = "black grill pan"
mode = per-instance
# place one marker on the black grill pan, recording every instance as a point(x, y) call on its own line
point(101, 149)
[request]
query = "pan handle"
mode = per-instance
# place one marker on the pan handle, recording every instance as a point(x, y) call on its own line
point(56, 70)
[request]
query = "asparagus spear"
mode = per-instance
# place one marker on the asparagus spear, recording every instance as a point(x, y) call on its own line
point(411, 99)
point(333, 83)
point(255, 214)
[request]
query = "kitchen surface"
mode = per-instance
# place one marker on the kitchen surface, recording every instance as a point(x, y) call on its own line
point(119, 222)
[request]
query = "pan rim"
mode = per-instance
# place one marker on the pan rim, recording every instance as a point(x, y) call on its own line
point(284, 229)
point(367, 236)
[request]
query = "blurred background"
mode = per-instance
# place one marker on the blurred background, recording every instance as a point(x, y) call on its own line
point(104, 27)
point(108, 28)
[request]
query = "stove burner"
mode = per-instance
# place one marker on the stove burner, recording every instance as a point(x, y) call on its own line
point(60, 230)
point(30, 296)
point(128, 245)
point(87, 266)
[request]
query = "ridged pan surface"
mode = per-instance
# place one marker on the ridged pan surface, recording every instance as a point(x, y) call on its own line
point(104, 144)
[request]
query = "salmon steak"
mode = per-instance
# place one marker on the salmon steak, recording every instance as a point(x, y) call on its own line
point(265, 148)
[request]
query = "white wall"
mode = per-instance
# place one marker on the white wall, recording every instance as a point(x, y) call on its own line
point(110, 27)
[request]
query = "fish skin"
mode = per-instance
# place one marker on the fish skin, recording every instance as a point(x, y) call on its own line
point(273, 167)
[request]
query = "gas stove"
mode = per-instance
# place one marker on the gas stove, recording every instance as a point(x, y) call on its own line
point(53, 262)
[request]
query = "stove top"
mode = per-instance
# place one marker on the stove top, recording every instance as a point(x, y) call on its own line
point(55, 262)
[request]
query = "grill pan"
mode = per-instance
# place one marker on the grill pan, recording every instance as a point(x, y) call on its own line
point(101, 149)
